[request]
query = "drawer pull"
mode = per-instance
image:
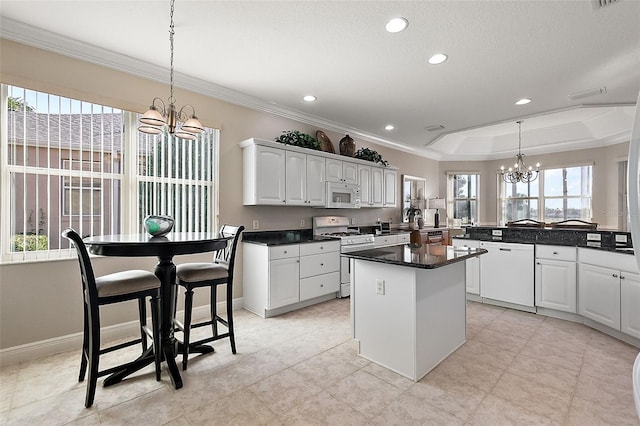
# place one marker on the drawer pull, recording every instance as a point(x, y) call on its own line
point(555, 252)
point(322, 264)
point(285, 252)
point(504, 249)
point(321, 285)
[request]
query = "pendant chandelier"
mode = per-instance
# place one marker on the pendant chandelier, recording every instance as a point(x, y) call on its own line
point(159, 116)
point(520, 172)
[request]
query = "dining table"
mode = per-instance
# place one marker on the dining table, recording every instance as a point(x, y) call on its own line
point(164, 248)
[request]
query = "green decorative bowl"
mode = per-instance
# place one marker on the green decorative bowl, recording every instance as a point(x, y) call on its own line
point(157, 225)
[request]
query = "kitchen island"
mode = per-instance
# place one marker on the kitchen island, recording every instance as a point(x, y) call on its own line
point(408, 305)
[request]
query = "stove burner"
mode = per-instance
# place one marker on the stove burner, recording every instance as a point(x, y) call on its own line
point(342, 234)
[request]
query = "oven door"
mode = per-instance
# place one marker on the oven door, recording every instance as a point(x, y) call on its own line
point(345, 266)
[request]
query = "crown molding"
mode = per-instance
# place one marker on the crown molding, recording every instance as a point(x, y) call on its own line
point(56, 43)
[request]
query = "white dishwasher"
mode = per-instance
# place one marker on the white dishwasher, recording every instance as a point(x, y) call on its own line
point(506, 272)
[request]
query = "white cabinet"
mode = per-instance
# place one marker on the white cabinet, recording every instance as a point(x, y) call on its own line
point(392, 239)
point(263, 175)
point(377, 187)
point(390, 188)
point(284, 277)
point(341, 171)
point(630, 304)
point(555, 278)
point(599, 290)
point(608, 289)
point(281, 278)
point(364, 180)
point(472, 266)
point(506, 273)
point(305, 177)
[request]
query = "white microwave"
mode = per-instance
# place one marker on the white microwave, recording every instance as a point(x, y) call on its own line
point(342, 195)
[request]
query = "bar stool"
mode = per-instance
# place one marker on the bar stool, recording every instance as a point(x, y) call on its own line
point(209, 274)
point(105, 290)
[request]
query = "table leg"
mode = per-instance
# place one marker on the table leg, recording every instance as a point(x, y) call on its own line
point(166, 272)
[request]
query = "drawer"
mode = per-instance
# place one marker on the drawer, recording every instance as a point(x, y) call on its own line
point(318, 264)
point(386, 240)
point(462, 242)
point(319, 248)
point(404, 238)
point(319, 285)
point(556, 253)
point(284, 252)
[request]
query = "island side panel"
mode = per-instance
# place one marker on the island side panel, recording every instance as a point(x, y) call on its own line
point(440, 315)
point(384, 324)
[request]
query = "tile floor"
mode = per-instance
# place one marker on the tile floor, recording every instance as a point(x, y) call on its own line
point(301, 368)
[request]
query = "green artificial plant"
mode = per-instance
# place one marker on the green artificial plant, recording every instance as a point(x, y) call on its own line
point(370, 155)
point(295, 138)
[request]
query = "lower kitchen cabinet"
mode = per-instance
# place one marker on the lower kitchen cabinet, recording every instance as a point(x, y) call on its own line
point(472, 266)
point(555, 278)
point(277, 279)
point(630, 304)
point(599, 290)
point(284, 279)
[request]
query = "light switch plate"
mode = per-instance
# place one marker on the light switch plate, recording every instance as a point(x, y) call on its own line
point(379, 286)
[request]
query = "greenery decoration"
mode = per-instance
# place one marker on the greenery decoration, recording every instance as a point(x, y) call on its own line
point(30, 242)
point(370, 155)
point(295, 138)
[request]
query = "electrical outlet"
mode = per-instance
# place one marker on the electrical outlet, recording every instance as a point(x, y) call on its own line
point(496, 232)
point(301, 223)
point(380, 287)
point(594, 237)
point(256, 224)
point(621, 238)
point(353, 220)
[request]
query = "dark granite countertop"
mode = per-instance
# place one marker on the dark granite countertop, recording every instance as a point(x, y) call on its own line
point(421, 256)
point(547, 236)
point(276, 238)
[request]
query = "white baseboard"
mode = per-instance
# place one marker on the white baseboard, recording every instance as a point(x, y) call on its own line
point(42, 348)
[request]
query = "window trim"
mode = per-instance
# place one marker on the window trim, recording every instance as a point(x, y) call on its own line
point(540, 198)
point(450, 196)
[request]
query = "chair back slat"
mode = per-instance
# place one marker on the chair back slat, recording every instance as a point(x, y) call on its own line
point(90, 290)
point(226, 255)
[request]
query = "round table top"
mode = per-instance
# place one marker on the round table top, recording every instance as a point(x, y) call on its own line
point(174, 243)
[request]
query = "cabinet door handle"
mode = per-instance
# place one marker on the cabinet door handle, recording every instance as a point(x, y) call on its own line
point(615, 275)
point(555, 252)
point(504, 249)
point(322, 264)
point(321, 285)
point(537, 263)
point(285, 252)
point(622, 277)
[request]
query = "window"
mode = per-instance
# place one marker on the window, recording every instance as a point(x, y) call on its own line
point(462, 196)
point(71, 163)
point(557, 195)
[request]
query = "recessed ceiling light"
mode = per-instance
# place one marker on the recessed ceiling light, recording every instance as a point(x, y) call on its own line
point(523, 101)
point(309, 98)
point(396, 25)
point(389, 127)
point(438, 58)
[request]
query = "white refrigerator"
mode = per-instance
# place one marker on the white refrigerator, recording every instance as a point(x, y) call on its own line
point(633, 188)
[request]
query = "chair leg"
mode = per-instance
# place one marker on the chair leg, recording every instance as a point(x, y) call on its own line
point(143, 322)
point(232, 338)
point(213, 306)
point(94, 356)
point(157, 344)
point(85, 346)
point(188, 305)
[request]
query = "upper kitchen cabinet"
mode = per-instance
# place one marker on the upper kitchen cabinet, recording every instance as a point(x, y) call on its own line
point(284, 175)
point(305, 178)
point(390, 188)
point(341, 171)
point(263, 175)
